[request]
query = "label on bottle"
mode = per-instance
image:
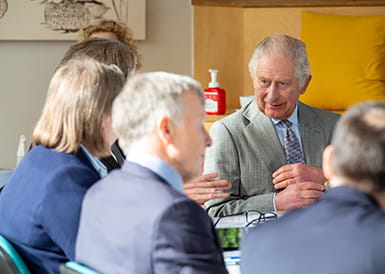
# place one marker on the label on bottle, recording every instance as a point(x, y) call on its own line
point(211, 102)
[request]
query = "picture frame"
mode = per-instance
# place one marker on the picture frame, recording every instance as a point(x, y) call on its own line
point(287, 3)
point(61, 19)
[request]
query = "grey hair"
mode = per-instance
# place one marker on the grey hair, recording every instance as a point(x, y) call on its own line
point(284, 46)
point(147, 97)
point(359, 146)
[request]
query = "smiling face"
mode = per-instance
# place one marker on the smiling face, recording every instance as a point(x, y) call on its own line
point(276, 86)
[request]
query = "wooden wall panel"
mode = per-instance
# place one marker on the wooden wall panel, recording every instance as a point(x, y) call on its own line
point(287, 3)
point(218, 33)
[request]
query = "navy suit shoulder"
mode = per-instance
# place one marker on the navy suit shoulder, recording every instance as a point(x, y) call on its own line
point(145, 227)
point(340, 233)
point(40, 206)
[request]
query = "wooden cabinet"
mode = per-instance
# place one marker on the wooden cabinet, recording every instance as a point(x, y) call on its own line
point(287, 3)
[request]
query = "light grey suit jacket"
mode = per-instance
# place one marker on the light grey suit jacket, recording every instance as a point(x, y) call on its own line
point(246, 151)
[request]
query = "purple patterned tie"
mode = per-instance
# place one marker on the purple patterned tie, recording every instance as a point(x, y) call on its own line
point(291, 145)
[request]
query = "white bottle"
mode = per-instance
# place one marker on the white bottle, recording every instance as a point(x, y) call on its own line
point(20, 149)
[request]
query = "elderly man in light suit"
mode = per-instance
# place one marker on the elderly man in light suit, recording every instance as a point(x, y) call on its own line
point(249, 146)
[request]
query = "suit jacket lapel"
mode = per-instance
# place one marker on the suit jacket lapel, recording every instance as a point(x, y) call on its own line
point(310, 135)
point(263, 129)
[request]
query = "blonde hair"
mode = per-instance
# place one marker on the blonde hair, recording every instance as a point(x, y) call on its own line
point(123, 33)
point(79, 98)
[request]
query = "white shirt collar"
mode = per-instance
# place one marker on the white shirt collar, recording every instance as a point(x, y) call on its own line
point(293, 118)
point(97, 164)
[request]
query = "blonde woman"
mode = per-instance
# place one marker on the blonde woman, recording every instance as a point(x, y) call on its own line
point(40, 205)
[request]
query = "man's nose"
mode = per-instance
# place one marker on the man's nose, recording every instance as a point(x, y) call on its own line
point(272, 93)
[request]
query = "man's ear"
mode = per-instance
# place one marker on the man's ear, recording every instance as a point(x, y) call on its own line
point(306, 84)
point(165, 128)
point(327, 162)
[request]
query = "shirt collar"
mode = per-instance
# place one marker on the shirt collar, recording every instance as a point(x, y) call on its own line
point(159, 167)
point(97, 164)
point(293, 117)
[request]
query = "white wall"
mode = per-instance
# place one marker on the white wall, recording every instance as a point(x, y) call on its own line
point(26, 67)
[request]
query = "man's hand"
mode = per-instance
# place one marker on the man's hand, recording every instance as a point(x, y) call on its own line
point(297, 173)
point(206, 187)
point(298, 195)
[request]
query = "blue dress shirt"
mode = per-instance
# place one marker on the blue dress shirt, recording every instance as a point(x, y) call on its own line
point(97, 164)
point(161, 168)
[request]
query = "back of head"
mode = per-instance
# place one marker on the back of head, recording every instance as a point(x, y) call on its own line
point(123, 33)
point(79, 98)
point(106, 51)
point(282, 45)
point(359, 146)
point(146, 98)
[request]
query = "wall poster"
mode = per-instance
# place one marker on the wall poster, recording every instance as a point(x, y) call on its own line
point(61, 19)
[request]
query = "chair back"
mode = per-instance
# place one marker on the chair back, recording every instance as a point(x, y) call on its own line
point(10, 260)
point(72, 267)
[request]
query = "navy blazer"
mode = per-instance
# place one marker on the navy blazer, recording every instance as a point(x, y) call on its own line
point(132, 221)
point(342, 233)
point(40, 206)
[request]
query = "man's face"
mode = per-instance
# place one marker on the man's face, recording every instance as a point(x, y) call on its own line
point(276, 86)
point(191, 140)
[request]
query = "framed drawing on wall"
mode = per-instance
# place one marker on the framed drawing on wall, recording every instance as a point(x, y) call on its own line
point(61, 19)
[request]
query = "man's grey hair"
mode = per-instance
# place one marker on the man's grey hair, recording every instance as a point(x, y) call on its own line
point(147, 97)
point(359, 146)
point(283, 46)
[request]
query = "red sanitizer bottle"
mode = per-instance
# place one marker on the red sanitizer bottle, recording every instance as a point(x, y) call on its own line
point(215, 96)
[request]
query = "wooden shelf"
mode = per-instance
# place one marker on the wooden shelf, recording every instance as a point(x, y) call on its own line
point(287, 3)
point(210, 119)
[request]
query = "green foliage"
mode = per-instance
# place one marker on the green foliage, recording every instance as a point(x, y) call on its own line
point(229, 238)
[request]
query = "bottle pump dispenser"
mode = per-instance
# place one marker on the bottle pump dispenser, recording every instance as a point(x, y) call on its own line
point(215, 96)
